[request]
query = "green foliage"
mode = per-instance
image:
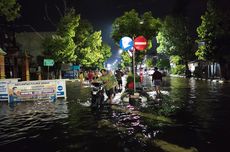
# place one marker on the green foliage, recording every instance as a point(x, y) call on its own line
point(149, 25)
point(76, 42)
point(175, 38)
point(61, 46)
point(61, 49)
point(68, 24)
point(92, 53)
point(126, 25)
point(90, 50)
point(10, 9)
point(165, 46)
point(201, 52)
point(178, 69)
point(132, 24)
point(106, 53)
point(126, 60)
point(175, 59)
point(163, 63)
point(214, 33)
point(139, 56)
point(149, 62)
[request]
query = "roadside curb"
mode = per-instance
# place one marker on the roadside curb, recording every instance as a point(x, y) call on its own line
point(210, 80)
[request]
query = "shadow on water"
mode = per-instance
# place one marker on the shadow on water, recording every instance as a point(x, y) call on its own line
point(199, 111)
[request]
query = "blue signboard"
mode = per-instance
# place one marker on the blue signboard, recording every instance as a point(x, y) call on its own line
point(126, 43)
point(75, 67)
point(60, 88)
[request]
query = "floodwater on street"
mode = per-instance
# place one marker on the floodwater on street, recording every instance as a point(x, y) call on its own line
point(193, 115)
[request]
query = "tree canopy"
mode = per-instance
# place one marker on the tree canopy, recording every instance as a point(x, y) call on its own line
point(213, 34)
point(125, 59)
point(61, 46)
point(175, 38)
point(76, 42)
point(90, 50)
point(132, 24)
point(9, 9)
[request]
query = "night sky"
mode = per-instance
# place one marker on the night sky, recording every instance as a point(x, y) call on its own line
point(101, 13)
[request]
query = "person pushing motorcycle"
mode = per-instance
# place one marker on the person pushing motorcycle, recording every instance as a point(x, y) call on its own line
point(109, 82)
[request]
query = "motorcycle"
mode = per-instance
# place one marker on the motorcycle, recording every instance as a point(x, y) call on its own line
point(97, 94)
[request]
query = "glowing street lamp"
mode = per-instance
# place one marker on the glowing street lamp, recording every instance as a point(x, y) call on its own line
point(120, 51)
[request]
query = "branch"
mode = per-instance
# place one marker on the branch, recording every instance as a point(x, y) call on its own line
point(35, 31)
point(65, 6)
point(59, 11)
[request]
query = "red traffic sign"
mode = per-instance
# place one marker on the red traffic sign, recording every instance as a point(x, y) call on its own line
point(140, 43)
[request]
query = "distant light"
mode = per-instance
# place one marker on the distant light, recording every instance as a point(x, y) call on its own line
point(141, 22)
point(120, 51)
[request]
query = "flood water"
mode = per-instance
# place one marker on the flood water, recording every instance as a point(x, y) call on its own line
point(199, 114)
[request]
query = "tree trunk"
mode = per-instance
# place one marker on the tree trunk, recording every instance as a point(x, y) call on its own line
point(187, 71)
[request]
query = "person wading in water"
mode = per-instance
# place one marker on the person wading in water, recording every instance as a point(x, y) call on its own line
point(157, 79)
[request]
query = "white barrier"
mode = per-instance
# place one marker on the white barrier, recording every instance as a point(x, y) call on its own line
point(14, 91)
point(61, 88)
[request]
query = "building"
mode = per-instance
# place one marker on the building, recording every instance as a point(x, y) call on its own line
point(22, 44)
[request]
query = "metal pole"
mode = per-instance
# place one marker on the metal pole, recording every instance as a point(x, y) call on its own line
point(134, 82)
point(48, 73)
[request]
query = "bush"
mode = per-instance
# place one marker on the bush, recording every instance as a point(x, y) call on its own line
point(179, 69)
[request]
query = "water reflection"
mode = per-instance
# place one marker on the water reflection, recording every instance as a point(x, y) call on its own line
point(199, 111)
point(201, 114)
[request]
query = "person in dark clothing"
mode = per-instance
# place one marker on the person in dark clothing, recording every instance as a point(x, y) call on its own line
point(157, 79)
point(118, 76)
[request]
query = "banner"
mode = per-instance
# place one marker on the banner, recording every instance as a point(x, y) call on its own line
point(4, 88)
point(32, 90)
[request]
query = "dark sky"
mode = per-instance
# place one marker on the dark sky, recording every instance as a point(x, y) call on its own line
point(101, 13)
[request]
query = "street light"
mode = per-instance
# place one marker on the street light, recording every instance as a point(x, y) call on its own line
point(120, 51)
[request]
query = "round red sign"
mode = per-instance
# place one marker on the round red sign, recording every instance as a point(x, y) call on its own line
point(140, 43)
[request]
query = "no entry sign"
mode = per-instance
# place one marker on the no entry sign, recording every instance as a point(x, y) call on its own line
point(140, 43)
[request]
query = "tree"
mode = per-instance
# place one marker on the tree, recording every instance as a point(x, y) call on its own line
point(149, 62)
point(9, 9)
point(177, 68)
point(106, 53)
point(133, 25)
point(61, 49)
point(175, 38)
point(207, 33)
point(213, 37)
point(163, 63)
point(61, 46)
point(90, 50)
point(125, 59)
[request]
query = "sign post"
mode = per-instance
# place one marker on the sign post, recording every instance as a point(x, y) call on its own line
point(140, 43)
point(48, 63)
point(134, 75)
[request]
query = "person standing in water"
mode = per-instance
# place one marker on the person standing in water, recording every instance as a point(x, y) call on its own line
point(157, 79)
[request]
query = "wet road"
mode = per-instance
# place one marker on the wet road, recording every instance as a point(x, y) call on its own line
point(194, 114)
